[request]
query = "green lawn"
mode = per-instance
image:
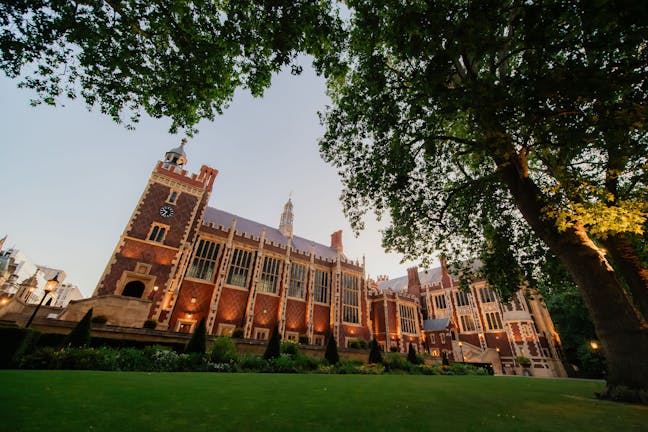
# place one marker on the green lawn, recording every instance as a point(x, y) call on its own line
point(187, 402)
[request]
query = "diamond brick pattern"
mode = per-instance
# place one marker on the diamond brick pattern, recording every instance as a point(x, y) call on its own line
point(296, 316)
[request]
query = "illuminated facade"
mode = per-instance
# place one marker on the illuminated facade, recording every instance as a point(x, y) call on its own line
point(192, 261)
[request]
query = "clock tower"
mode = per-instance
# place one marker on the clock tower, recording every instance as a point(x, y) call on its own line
point(153, 249)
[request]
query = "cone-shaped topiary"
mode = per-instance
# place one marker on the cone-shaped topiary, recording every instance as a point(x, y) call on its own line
point(80, 335)
point(331, 354)
point(444, 359)
point(198, 342)
point(411, 354)
point(374, 355)
point(274, 345)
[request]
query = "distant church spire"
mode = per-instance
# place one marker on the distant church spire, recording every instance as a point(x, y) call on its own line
point(286, 222)
point(176, 156)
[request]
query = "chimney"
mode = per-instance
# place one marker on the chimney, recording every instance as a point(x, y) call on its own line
point(446, 279)
point(413, 281)
point(336, 241)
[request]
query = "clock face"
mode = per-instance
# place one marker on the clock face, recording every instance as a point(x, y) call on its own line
point(166, 211)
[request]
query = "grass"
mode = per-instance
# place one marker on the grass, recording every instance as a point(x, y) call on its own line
point(139, 401)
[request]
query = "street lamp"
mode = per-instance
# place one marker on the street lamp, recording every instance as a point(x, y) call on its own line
point(461, 350)
point(49, 286)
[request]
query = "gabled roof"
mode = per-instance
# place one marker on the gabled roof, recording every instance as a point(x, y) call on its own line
point(250, 227)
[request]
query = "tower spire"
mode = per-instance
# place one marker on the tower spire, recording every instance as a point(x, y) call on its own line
point(176, 156)
point(286, 222)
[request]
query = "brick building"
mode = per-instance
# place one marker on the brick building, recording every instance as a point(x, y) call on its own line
point(472, 326)
point(180, 260)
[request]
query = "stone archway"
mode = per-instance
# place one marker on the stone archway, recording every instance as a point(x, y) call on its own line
point(134, 289)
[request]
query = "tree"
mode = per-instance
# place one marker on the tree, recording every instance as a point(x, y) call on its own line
point(509, 130)
point(411, 354)
point(331, 353)
point(80, 334)
point(512, 131)
point(375, 356)
point(198, 342)
point(274, 345)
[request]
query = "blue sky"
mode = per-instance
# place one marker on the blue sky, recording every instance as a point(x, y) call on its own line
point(71, 178)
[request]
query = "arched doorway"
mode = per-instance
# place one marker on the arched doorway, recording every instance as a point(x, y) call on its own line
point(134, 289)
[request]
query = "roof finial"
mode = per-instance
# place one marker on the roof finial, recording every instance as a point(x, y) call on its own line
point(183, 142)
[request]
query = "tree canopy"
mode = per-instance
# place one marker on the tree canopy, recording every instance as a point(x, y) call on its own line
point(170, 58)
point(509, 130)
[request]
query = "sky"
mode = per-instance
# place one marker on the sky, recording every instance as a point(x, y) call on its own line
point(71, 178)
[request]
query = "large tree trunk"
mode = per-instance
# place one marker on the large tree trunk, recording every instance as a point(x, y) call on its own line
point(619, 325)
point(635, 274)
point(623, 334)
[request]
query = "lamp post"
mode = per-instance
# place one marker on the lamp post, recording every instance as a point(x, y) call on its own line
point(49, 286)
point(499, 357)
point(461, 350)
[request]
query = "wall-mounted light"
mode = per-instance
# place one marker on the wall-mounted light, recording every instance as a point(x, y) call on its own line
point(155, 288)
point(193, 299)
point(594, 345)
point(189, 315)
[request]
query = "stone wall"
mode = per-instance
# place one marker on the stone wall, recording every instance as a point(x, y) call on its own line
point(120, 311)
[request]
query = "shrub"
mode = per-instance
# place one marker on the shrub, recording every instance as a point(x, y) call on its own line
point(99, 319)
point(238, 333)
point(150, 324)
point(395, 361)
point(354, 344)
point(306, 363)
point(252, 363)
point(223, 350)
point(331, 354)
point(198, 342)
point(80, 334)
point(363, 344)
point(523, 361)
point(393, 349)
point(83, 359)
point(44, 358)
point(372, 369)
point(274, 345)
point(16, 342)
point(289, 348)
point(375, 356)
point(282, 364)
point(133, 359)
point(164, 360)
point(192, 362)
point(303, 339)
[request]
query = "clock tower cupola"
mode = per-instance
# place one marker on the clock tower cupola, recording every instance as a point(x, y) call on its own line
point(176, 156)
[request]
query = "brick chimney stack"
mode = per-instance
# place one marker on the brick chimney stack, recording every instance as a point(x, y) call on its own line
point(336, 241)
point(413, 281)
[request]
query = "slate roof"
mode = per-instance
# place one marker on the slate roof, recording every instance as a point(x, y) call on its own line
point(437, 324)
point(243, 225)
point(427, 277)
